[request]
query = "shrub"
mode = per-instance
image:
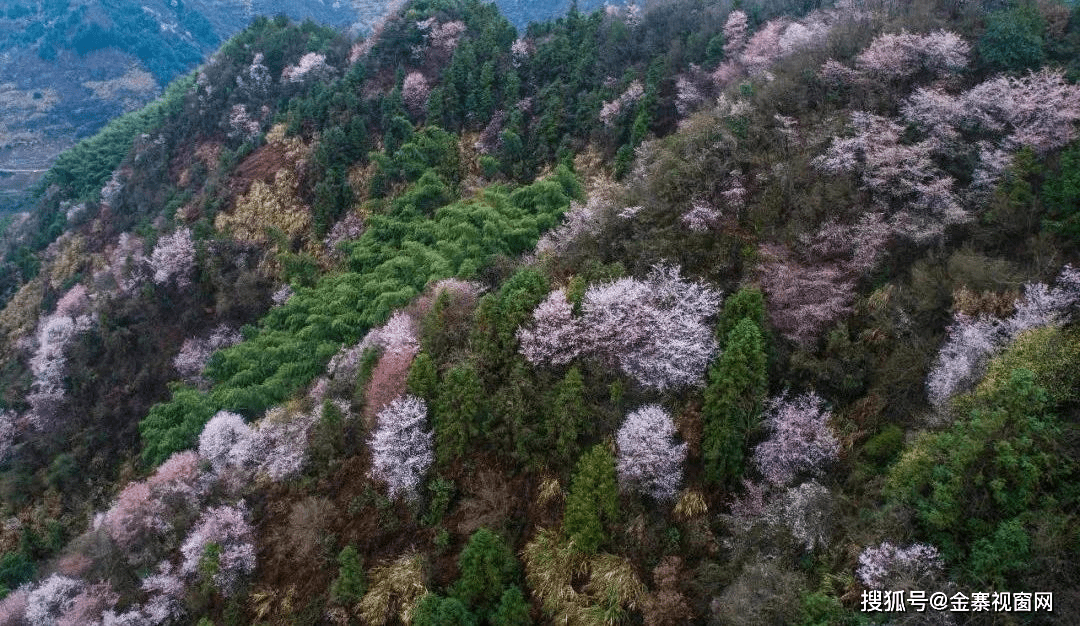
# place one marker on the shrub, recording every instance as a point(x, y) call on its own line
point(487, 567)
point(349, 586)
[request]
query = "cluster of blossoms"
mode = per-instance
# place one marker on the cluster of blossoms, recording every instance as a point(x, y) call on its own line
point(650, 460)
point(145, 515)
point(656, 330)
point(241, 124)
point(893, 567)
point(971, 343)
point(521, 50)
point(414, 92)
point(257, 80)
point(401, 446)
point(64, 601)
point(701, 217)
point(581, 220)
point(904, 178)
point(775, 40)
point(311, 65)
point(442, 36)
point(195, 353)
point(275, 447)
point(800, 442)
point(48, 362)
point(126, 264)
point(173, 258)
point(810, 289)
point(611, 110)
point(804, 512)
point(222, 532)
point(895, 56)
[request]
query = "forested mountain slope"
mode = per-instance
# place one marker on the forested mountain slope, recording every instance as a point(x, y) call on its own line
point(67, 67)
point(691, 315)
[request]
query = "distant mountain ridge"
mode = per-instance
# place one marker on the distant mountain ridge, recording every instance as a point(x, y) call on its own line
point(69, 66)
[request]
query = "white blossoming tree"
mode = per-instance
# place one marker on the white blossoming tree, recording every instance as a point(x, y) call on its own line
point(650, 460)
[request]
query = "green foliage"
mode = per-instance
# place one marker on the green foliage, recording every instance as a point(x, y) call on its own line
point(1013, 40)
point(593, 501)
point(498, 317)
point(175, 425)
point(434, 610)
point(973, 486)
point(399, 253)
point(565, 419)
point(733, 400)
point(423, 379)
point(747, 302)
point(81, 170)
point(442, 491)
point(487, 567)
point(1061, 195)
point(209, 566)
point(350, 584)
point(884, 447)
point(459, 414)
point(513, 610)
point(1050, 353)
point(15, 569)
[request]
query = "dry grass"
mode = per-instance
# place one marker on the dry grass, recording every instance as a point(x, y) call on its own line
point(394, 589)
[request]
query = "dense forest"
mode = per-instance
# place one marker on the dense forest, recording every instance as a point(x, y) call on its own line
point(708, 312)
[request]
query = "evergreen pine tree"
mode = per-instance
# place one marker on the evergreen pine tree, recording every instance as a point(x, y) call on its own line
point(733, 400)
point(459, 410)
point(593, 500)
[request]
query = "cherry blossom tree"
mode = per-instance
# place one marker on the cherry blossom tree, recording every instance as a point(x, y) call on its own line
point(165, 605)
point(414, 92)
point(225, 533)
point(735, 32)
point(74, 303)
point(89, 605)
point(241, 124)
point(401, 447)
point(126, 263)
point(806, 511)
point(971, 342)
point(222, 438)
point(48, 366)
point(195, 352)
point(800, 441)
point(173, 258)
point(51, 599)
point(610, 111)
point(13, 606)
point(145, 513)
point(893, 56)
point(552, 337)
point(888, 566)
point(763, 49)
point(903, 177)
point(655, 330)
point(701, 217)
point(649, 459)
point(803, 299)
point(312, 65)
point(1039, 110)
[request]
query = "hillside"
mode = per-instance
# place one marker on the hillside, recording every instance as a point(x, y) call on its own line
point(697, 314)
point(67, 68)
